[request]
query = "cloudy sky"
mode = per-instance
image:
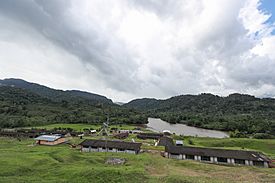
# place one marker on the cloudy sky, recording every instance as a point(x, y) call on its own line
point(141, 48)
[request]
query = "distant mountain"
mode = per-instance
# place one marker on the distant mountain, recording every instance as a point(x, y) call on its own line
point(56, 95)
point(119, 103)
point(144, 104)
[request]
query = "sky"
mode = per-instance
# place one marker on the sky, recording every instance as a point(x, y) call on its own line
point(141, 48)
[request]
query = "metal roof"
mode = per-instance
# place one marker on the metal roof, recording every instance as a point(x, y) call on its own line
point(225, 153)
point(49, 138)
point(111, 144)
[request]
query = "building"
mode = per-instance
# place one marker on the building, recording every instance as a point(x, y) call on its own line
point(166, 132)
point(136, 131)
point(89, 145)
point(219, 156)
point(130, 131)
point(179, 143)
point(124, 131)
point(155, 136)
point(50, 139)
point(121, 135)
point(165, 141)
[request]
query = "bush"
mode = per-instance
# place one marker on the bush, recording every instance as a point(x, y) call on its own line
point(263, 136)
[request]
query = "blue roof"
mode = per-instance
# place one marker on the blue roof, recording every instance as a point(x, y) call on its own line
point(50, 138)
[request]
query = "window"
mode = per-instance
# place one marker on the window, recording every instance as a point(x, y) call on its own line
point(110, 149)
point(222, 160)
point(239, 161)
point(258, 163)
point(190, 156)
point(205, 158)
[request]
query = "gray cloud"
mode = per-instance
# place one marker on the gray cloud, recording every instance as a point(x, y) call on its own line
point(144, 48)
point(52, 20)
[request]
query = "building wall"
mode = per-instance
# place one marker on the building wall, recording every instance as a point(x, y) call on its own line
point(175, 156)
point(214, 160)
point(58, 141)
point(107, 150)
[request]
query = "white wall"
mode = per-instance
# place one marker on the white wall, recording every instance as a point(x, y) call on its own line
point(175, 156)
point(213, 159)
point(107, 150)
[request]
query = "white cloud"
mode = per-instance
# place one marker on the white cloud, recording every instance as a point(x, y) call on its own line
point(128, 49)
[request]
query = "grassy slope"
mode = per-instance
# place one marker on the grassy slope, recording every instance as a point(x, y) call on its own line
point(25, 163)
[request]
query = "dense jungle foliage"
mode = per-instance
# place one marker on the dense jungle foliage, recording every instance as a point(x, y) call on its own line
point(243, 115)
point(20, 107)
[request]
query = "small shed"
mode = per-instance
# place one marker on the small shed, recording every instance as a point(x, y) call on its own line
point(167, 132)
point(179, 143)
point(92, 131)
point(121, 135)
point(165, 141)
point(50, 139)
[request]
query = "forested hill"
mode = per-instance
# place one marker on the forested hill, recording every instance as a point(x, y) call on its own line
point(21, 107)
point(56, 95)
point(245, 113)
point(208, 103)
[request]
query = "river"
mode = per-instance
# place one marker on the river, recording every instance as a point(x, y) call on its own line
point(159, 125)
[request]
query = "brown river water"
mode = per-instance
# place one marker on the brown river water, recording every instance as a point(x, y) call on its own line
point(159, 125)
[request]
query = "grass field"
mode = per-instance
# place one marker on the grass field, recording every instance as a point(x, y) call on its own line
point(22, 162)
point(80, 127)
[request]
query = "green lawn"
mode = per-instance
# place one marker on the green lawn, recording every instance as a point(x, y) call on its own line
point(22, 162)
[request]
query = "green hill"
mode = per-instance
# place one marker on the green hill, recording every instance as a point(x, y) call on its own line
point(21, 107)
point(56, 95)
point(245, 113)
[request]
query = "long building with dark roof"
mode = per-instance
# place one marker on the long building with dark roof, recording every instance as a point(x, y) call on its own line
point(89, 145)
point(155, 136)
point(220, 156)
point(165, 141)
